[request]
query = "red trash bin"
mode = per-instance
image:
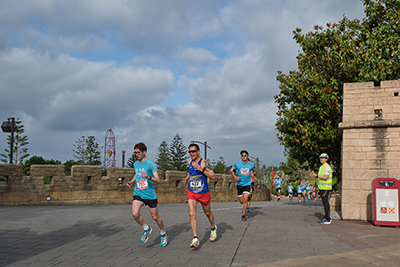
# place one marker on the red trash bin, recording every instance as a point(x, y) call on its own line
point(386, 202)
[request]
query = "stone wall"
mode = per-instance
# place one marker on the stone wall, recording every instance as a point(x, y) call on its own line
point(371, 143)
point(86, 185)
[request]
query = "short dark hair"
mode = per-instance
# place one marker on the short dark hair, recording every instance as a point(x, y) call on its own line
point(197, 147)
point(244, 151)
point(141, 146)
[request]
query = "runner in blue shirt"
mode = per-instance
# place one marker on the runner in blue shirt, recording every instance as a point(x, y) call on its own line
point(304, 189)
point(290, 191)
point(308, 191)
point(278, 185)
point(299, 191)
point(146, 176)
point(242, 172)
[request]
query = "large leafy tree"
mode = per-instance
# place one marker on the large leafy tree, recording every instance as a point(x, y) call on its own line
point(178, 154)
point(38, 160)
point(310, 98)
point(19, 147)
point(163, 160)
point(87, 151)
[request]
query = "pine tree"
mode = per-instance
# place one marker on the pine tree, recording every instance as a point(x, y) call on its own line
point(87, 151)
point(19, 149)
point(220, 167)
point(93, 151)
point(163, 159)
point(131, 160)
point(177, 152)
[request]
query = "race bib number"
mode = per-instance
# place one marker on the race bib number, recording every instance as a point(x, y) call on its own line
point(142, 184)
point(196, 184)
point(245, 171)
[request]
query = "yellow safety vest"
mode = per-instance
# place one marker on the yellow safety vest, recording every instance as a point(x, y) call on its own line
point(324, 184)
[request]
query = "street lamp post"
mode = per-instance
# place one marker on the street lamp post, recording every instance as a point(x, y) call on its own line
point(9, 127)
point(123, 158)
point(205, 147)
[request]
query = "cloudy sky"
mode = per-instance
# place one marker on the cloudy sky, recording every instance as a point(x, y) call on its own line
point(149, 69)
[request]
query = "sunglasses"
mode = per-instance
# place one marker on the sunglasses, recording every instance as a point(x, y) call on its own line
point(244, 155)
point(193, 151)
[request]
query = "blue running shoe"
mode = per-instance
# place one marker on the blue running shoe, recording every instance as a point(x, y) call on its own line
point(325, 221)
point(248, 209)
point(164, 240)
point(146, 234)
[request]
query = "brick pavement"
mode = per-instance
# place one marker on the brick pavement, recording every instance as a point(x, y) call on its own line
point(275, 234)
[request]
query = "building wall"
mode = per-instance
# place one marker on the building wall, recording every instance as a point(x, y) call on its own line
point(371, 143)
point(86, 185)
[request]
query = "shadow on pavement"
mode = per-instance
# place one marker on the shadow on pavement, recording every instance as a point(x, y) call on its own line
point(29, 243)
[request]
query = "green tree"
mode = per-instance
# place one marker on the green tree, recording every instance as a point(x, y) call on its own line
point(310, 98)
point(178, 154)
point(68, 166)
point(87, 151)
point(220, 167)
point(93, 151)
point(19, 147)
point(131, 160)
point(290, 167)
point(37, 160)
point(163, 159)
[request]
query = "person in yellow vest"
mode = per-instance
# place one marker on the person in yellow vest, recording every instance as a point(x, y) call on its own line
point(324, 177)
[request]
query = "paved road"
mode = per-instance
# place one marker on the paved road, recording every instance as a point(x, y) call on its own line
point(276, 234)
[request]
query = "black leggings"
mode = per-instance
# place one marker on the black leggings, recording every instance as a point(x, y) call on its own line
point(325, 195)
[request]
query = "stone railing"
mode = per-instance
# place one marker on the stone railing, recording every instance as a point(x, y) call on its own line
point(86, 185)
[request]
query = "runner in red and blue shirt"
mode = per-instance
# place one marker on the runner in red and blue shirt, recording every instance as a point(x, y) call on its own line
point(199, 171)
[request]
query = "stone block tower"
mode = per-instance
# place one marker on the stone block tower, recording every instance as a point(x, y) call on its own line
point(371, 143)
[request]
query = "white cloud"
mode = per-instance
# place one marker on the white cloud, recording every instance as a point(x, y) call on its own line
point(68, 93)
point(224, 55)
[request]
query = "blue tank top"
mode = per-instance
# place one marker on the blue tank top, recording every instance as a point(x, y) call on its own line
point(197, 180)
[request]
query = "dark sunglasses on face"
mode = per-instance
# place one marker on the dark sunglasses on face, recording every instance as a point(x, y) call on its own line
point(192, 151)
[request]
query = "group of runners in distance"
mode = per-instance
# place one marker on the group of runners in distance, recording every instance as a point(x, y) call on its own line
point(199, 170)
point(304, 189)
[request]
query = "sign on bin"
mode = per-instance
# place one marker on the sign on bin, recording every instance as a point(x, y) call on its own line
point(386, 202)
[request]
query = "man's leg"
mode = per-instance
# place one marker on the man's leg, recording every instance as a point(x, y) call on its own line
point(209, 214)
point(160, 223)
point(245, 203)
point(249, 202)
point(136, 205)
point(156, 217)
point(192, 204)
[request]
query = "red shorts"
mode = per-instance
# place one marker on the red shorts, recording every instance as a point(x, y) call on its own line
point(204, 199)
